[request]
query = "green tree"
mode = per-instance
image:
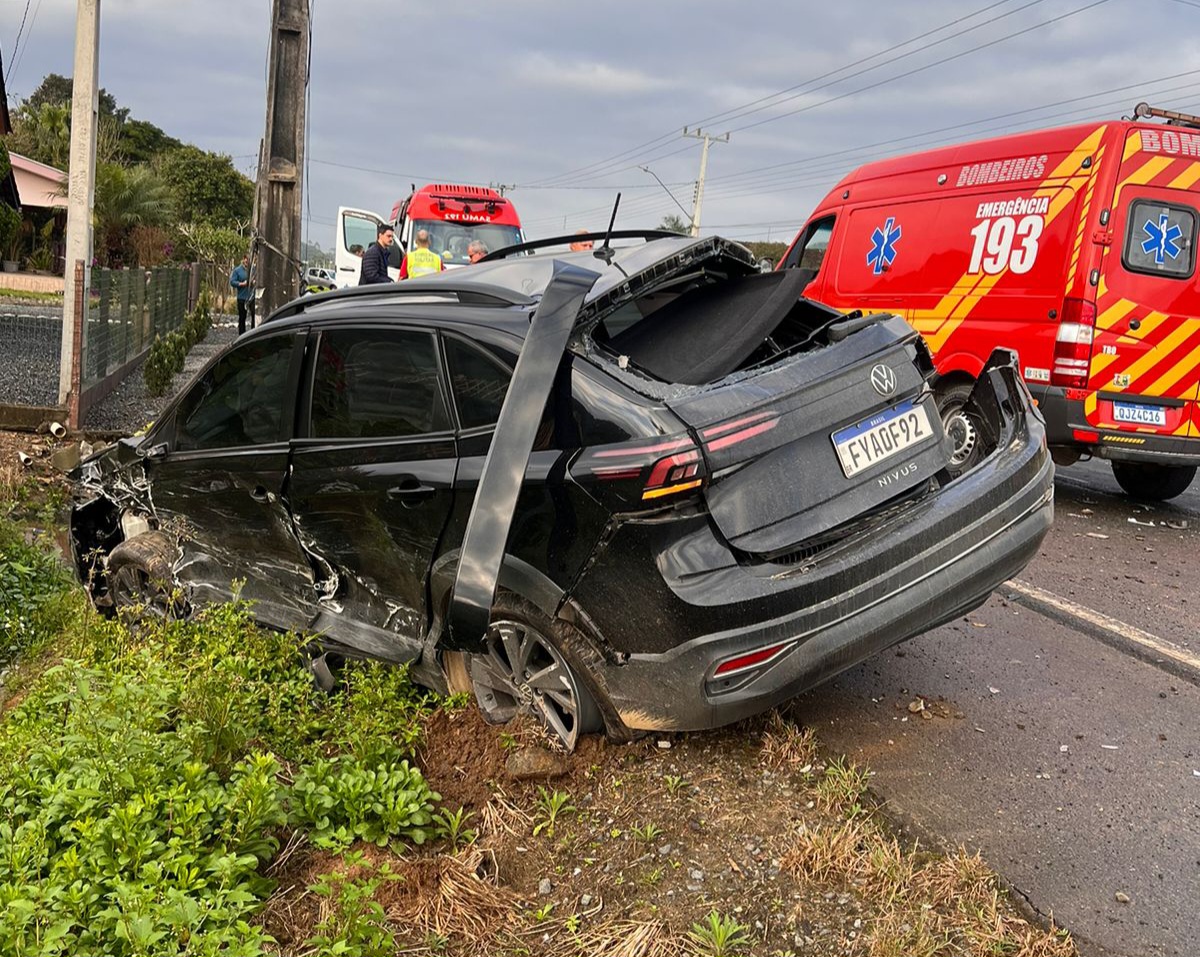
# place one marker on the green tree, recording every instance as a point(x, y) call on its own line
point(206, 187)
point(126, 199)
point(675, 224)
point(142, 142)
point(55, 90)
point(43, 133)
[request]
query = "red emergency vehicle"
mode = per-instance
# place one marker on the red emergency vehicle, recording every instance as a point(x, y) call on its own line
point(453, 215)
point(1074, 246)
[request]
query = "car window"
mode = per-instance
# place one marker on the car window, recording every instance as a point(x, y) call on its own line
point(810, 252)
point(240, 400)
point(479, 381)
point(377, 383)
point(1159, 239)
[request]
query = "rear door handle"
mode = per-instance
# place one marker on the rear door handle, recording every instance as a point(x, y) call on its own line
point(410, 493)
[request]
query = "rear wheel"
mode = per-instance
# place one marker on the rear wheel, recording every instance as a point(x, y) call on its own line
point(527, 668)
point(966, 449)
point(140, 578)
point(1151, 481)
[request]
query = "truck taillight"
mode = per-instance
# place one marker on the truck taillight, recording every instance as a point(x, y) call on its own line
point(1073, 344)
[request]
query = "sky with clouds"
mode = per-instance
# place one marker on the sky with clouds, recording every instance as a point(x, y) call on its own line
point(568, 103)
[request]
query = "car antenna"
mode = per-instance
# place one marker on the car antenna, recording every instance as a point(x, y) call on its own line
point(604, 252)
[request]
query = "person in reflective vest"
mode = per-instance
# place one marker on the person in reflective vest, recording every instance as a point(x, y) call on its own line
point(421, 260)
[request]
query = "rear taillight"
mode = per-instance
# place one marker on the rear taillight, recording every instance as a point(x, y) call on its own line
point(642, 471)
point(1073, 344)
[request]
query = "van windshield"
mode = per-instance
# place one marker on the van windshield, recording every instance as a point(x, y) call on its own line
point(450, 240)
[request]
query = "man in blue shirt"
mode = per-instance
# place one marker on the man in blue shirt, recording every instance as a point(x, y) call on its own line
point(239, 279)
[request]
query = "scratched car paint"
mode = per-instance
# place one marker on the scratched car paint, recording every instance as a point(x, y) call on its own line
point(602, 487)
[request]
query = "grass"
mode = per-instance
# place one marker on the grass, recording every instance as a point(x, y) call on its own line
point(27, 295)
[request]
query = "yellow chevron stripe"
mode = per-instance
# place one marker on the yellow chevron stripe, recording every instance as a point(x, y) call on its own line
point(1148, 171)
point(1114, 314)
point(1187, 178)
point(1156, 355)
point(1176, 374)
point(1133, 144)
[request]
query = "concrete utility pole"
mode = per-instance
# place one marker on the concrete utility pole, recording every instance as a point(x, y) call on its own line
point(81, 179)
point(277, 212)
point(708, 139)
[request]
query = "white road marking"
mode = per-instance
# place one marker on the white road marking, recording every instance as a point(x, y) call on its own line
point(1147, 645)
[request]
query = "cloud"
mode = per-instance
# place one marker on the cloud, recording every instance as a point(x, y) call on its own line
point(588, 76)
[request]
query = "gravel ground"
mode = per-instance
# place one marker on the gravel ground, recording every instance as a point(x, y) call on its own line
point(129, 406)
point(30, 340)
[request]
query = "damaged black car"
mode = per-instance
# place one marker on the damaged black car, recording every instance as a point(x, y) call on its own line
point(644, 487)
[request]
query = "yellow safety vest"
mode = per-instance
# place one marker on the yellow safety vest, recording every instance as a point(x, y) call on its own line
point(422, 262)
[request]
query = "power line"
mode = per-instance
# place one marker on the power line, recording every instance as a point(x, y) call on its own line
point(20, 30)
point(900, 76)
point(19, 55)
point(668, 136)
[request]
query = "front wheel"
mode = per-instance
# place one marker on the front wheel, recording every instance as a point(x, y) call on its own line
point(966, 448)
point(526, 668)
point(141, 581)
point(1155, 482)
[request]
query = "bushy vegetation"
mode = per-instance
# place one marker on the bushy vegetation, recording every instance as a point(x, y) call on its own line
point(168, 353)
point(149, 776)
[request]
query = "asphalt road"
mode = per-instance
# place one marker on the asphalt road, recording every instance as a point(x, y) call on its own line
point(1063, 737)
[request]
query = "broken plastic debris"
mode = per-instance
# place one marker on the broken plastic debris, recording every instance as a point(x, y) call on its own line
point(1196, 774)
point(980, 730)
point(623, 362)
point(994, 690)
point(1086, 511)
point(1063, 748)
point(1096, 535)
point(1110, 747)
point(23, 458)
point(665, 745)
point(57, 429)
point(916, 706)
point(1177, 525)
point(1122, 897)
point(1133, 521)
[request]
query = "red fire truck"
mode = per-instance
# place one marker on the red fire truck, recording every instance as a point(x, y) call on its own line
point(1074, 246)
point(453, 215)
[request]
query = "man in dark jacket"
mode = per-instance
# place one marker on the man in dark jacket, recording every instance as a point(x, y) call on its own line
point(375, 259)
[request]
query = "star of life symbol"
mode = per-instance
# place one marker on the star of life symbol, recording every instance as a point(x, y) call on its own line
point(1163, 239)
point(883, 249)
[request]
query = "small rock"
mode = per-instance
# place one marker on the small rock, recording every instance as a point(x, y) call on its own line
point(545, 888)
point(694, 888)
point(696, 875)
point(916, 706)
point(664, 850)
point(577, 872)
point(585, 900)
point(535, 764)
point(664, 745)
point(1122, 897)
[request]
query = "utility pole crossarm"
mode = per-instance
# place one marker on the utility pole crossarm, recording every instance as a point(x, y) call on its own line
point(708, 140)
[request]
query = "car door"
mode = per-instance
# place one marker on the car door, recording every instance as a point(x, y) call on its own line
point(373, 481)
point(356, 230)
point(219, 483)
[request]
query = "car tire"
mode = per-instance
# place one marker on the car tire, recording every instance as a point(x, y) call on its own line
point(959, 425)
point(141, 580)
point(534, 665)
point(1148, 480)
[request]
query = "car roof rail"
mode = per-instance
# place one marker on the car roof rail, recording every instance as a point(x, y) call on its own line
point(647, 234)
point(434, 291)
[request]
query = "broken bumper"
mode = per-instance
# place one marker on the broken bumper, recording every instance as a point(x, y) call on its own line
point(934, 562)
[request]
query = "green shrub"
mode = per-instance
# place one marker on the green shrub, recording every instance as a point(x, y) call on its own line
point(34, 594)
point(344, 799)
point(141, 791)
point(355, 924)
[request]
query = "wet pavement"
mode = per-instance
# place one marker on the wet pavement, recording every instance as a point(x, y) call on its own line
point(1064, 752)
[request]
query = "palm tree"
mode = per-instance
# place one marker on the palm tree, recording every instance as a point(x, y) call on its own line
point(126, 199)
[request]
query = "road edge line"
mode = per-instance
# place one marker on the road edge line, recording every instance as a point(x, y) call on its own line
point(1112, 631)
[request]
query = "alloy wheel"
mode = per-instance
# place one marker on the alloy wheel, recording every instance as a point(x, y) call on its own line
point(522, 671)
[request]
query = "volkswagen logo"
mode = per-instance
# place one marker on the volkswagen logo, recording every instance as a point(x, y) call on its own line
point(883, 379)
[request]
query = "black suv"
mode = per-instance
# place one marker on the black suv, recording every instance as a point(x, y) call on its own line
point(645, 487)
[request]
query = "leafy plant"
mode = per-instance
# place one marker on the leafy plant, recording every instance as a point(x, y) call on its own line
point(344, 799)
point(543, 913)
point(646, 833)
point(719, 936)
point(550, 805)
point(674, 783)
point(451, 825)
point(356, 925)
